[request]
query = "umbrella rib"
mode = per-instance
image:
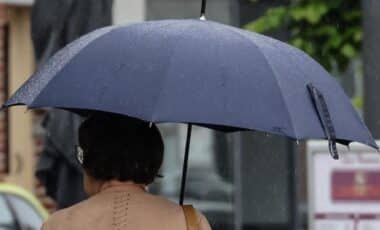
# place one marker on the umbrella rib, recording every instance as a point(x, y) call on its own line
point(164, 82)
point(276, 77)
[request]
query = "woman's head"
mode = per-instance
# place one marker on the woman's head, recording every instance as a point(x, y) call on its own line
point(119, 148)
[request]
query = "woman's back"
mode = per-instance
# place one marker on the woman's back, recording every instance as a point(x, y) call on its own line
point(120, 156)
point(122, 207)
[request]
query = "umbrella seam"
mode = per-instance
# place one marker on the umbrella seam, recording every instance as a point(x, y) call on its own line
point(153, 117)
point(170, 22)
point(275, 75)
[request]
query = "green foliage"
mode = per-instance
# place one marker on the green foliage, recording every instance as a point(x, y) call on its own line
point(358, 102)
point(329, 30)
point(272, 20)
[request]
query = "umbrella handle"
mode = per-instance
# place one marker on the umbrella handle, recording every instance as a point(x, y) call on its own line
point(185, 163)
point(203, 10)
point(325, 118)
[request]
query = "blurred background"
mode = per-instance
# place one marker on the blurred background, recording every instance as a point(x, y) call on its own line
point(246, 180)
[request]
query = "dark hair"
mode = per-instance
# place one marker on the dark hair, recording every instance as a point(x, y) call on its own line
point(121, 148)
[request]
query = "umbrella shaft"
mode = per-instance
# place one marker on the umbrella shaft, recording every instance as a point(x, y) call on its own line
point(203, 9)
point(185, 163)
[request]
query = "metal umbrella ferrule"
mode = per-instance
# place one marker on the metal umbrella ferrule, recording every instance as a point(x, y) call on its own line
point(203, 10)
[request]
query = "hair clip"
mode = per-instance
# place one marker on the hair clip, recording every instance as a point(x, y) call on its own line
point(80, 154)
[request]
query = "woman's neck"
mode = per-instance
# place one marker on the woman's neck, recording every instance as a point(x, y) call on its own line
point(122, 185)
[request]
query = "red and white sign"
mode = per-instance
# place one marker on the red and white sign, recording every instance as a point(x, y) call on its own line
point(343, 194)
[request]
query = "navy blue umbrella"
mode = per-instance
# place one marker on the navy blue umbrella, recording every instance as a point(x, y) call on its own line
point(197, 72)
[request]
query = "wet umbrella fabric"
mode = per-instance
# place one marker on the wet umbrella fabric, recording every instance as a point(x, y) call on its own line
point(198, 72)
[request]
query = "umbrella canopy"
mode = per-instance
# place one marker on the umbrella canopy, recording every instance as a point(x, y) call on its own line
point(196, 71)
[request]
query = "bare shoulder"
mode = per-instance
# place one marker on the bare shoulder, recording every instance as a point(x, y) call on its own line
point(177, 210)
point(160, 200)
point(55, 220)
point(63, 216)
point(203, 222)
point(196, 218)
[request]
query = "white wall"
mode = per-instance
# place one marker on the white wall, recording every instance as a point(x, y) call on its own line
point(127, 11)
